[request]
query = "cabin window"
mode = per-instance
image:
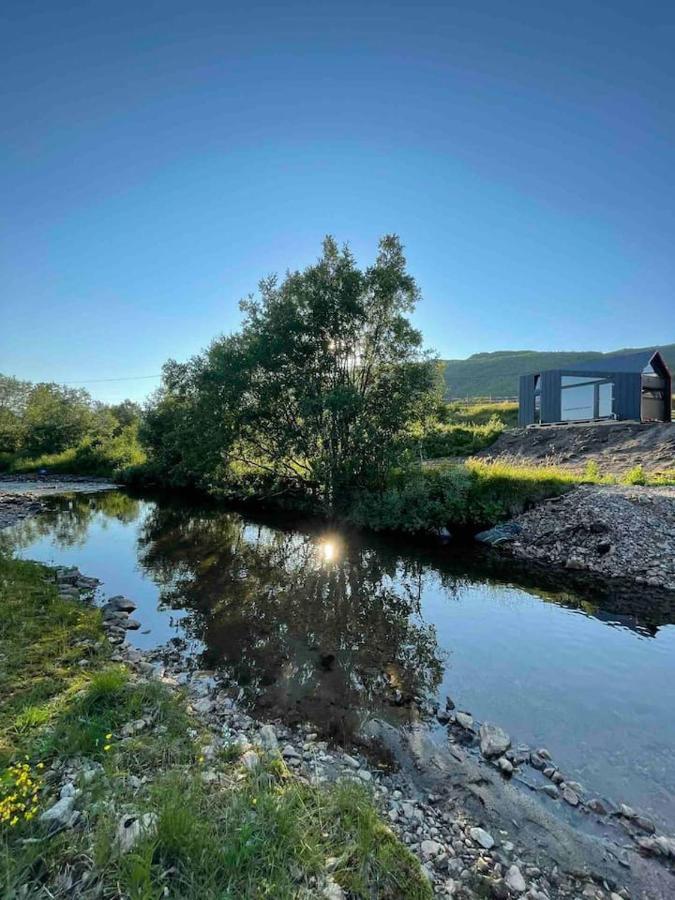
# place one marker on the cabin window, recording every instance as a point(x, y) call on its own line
point(584, 397)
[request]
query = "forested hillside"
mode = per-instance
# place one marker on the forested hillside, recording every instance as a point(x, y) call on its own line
point(496, 374)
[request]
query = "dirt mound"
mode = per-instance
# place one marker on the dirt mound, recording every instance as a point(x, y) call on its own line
point(615, 531)
point(615, 446)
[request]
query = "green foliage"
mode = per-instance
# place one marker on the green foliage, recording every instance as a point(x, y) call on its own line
point(472, 496)
point(636, 475)
point(438, 439)
point(63, 430)
point(247, 835)
point(312, 398)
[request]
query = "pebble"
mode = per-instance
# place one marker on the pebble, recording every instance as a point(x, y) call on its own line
point(482, 837)
point(515, 880)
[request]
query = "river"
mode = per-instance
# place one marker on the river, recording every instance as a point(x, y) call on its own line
point(332, 626)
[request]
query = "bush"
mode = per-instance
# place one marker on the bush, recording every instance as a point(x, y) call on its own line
point(472, 496)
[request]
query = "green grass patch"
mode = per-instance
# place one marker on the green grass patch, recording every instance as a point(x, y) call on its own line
point(261, 834)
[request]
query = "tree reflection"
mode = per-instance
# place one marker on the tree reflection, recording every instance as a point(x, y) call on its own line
point(313, 627)
point(66, 520)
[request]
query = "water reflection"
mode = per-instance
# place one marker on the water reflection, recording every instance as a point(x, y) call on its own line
point(308, 625)
point(330, 626)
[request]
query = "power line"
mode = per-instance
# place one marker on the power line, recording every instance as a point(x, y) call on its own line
point(106, 380)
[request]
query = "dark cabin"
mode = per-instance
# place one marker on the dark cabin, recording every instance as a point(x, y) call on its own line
point(635, 387)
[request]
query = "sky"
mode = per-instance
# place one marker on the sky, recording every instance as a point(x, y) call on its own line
point(158, 158)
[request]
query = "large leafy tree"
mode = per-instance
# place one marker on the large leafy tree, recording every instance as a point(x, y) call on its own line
point(314, 393)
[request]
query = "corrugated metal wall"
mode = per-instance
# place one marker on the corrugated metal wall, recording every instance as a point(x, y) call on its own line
point(550, 395)
point(526, 400)
point(627, 395)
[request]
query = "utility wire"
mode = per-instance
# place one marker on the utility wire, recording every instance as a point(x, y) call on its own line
point(102, 380)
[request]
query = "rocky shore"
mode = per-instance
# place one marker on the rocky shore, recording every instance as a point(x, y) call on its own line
point(612, 531)
point(22, 496)
point(474, 831)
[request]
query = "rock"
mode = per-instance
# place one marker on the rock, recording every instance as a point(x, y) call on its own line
point(537, 761)
point(465, 720)
point(430, 849)
point(551, 790)
point(493, 740)
point(250, 760)
point(120, 603)
point(350, 761)
point(482, 837)
point(60, 814)
point(364, 775)
point(131, 829)
point(515, 881)
point(626, 811)
point(268, 739)
point(289, 752)
point(569, 796)
point(644, 824)
point(332, 890)
point(597, 806)
point(505, 767)
point(666, 845)
point(132, 624)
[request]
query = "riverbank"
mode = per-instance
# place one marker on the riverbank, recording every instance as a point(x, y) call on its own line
point(114, 784)
point(132, 745)
point(610, 531)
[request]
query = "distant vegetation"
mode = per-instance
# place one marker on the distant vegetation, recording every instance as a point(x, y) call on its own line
point(64, 430)
point(496, 374)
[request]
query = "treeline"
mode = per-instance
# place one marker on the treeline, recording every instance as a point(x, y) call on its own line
point(64, 430)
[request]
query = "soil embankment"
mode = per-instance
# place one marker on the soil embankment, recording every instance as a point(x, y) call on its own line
point(617, 447)
point(612, 531)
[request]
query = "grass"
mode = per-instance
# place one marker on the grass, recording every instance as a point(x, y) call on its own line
point(462, 429)
point(260, 834)
point(474, 494)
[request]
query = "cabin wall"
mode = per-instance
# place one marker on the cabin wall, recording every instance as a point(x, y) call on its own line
point(526, 400)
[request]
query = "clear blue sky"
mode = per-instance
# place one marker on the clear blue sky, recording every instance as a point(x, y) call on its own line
point(158, 158)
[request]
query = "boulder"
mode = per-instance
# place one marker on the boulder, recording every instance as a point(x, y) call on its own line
point(131, 828)
point(268, 739)
point(60, 814)
point(493, 740)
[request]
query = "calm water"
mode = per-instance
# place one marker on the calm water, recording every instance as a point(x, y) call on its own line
point(334, 627)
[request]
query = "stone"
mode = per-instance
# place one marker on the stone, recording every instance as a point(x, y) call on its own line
point(644, 824)
point(130, 829)
point(250, 760)
point(430, 849)
point(505, 767)
point(364, 775)
point(132, 624)
point(351, 762)
point(60, 813)
point(597, 806)
point(120, 603)
point(465, 720)
point(289, 752)
point(482, 837)
point(332, 890)
point(493, 740)
point(537, 760)
point(551, 790)
point(268, 739)
point(666, 845)
point(515, 881)
point(569, 796)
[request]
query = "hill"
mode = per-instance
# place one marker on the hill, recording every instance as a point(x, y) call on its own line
point(496, 374)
